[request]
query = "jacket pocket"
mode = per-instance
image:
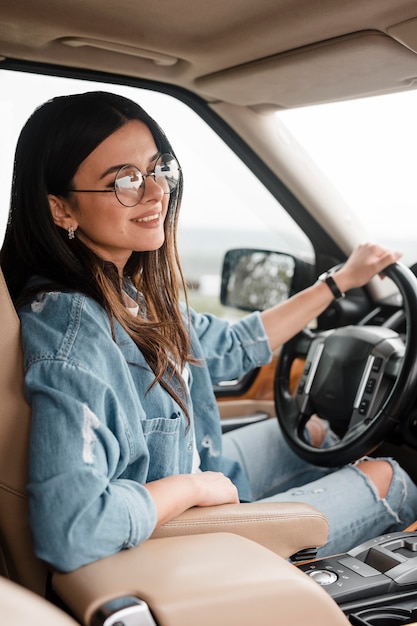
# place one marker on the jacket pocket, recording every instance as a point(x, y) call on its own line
point(165, 439)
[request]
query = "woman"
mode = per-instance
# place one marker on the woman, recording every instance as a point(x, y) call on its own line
point(125, 429)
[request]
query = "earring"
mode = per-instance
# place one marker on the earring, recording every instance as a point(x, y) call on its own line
point(71, 232)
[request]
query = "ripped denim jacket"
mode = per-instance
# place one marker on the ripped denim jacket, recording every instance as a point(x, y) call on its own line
point(99, 433)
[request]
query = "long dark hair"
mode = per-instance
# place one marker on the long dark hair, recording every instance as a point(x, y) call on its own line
point(55, 140)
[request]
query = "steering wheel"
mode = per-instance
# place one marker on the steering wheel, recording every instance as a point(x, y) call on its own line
point(362, 379)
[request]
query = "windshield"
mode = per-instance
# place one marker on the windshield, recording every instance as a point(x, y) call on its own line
point(367, 149)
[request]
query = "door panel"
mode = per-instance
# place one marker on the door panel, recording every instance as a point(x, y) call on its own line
point(257, 401)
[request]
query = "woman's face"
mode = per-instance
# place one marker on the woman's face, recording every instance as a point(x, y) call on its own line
point(110, 229)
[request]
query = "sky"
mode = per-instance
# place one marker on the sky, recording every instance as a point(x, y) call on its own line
point(368, 149)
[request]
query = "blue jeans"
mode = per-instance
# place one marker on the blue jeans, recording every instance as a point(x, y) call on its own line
point(346, 496)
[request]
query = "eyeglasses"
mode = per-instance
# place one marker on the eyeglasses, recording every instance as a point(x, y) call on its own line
point(129, 182)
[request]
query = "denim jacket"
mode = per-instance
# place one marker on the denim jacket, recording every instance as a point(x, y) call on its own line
point(99, 433)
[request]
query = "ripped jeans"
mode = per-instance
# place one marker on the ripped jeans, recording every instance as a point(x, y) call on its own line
point(346, 496)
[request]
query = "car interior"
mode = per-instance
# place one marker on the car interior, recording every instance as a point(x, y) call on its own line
point(236, 64)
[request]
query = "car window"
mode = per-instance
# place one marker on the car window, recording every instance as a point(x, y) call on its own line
point(366, 147)
point(224, 205)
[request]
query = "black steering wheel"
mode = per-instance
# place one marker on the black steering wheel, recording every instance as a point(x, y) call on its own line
point(362, 379)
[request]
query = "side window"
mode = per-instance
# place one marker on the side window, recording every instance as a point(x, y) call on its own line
point(224, 205)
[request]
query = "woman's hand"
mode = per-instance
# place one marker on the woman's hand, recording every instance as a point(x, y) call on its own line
point(214, 488)
point(366, 261)
point(285, 320)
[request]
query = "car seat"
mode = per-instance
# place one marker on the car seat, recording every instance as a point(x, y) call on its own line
point(20, 607)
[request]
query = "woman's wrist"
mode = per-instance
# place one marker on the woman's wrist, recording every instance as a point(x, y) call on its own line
point(330, 279)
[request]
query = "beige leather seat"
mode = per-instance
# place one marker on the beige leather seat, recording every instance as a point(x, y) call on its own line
point(17, 560)
point(20, 607)
point(282, 528)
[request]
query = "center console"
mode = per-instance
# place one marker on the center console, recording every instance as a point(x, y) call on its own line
point(375, 583)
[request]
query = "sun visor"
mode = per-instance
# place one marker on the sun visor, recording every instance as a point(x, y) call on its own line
point(405, 33)
point(363, 64)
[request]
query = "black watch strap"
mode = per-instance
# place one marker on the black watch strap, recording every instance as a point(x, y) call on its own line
point(332, 285)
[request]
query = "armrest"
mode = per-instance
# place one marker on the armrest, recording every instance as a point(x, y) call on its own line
point(208, 579)
point(283, 527)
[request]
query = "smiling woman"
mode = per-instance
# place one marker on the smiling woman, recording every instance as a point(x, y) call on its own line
point(144, 407)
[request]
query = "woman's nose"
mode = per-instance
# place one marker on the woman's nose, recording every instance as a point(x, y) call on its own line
point(151, 188)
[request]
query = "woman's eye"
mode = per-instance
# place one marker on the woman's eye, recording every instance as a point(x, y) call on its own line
point(125, 181)
point(133, 174)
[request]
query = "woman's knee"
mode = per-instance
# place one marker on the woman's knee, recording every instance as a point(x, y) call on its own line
point(379, 472)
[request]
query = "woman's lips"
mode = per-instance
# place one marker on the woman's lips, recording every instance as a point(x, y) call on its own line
point(150, 219)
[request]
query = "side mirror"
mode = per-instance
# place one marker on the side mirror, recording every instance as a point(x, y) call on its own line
point(254, 280)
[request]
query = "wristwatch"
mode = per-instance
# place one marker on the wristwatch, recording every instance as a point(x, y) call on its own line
point(327, 278)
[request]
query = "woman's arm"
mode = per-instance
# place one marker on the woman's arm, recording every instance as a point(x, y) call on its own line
point(285, 320)
point(175, 494)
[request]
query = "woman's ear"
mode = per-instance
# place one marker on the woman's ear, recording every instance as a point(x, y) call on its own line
point(61, 213)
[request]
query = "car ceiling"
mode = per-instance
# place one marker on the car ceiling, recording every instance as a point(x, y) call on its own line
point(263, 53)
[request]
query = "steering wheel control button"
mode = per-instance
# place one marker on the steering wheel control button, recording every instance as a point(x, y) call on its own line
point(370, 385)
point(377, 364)
point(363, 569)
point(363, 407)
point(323, 577)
